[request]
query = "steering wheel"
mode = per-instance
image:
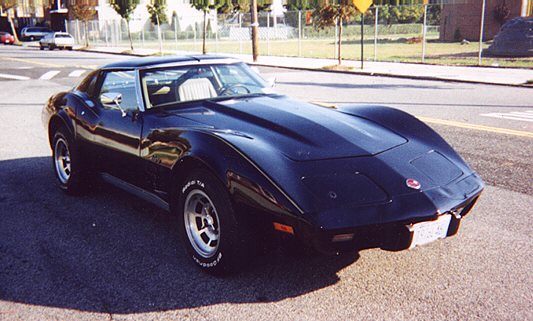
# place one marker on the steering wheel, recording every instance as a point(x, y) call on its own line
point(234, 89)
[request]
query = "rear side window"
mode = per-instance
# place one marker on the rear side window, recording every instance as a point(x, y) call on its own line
point(88, 84)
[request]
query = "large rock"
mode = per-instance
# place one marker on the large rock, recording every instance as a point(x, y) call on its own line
point(515, 39)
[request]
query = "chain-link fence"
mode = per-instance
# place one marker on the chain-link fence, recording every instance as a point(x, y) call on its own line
point(402, 33)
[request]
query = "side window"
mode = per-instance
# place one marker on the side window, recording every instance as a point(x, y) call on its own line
point(118, 83)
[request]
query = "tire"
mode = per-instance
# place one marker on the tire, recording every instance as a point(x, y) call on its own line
point(213, 237)
point(32, 38)
point(69, 169)
point(69, 48)
point(51, 47)
point(41, 48)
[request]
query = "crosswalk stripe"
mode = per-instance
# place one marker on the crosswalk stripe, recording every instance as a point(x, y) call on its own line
point(49, 75)
point(15, 77)
point(513, 115)
point(526, 114)
point(507, 116)
point(77, 73)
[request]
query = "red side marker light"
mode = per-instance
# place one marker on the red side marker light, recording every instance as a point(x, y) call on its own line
point(283, 228)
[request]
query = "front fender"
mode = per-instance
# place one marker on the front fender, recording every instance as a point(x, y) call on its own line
point(179, 150)
point(403, 124)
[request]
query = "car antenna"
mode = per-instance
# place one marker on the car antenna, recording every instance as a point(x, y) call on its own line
point(196, 58)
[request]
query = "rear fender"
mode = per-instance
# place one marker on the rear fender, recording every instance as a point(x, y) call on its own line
point(60, 112)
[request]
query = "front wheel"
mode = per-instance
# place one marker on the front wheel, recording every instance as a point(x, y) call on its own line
point(216, 241)
point(68, 166)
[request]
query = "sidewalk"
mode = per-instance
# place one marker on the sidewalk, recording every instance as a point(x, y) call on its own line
point(484, 75)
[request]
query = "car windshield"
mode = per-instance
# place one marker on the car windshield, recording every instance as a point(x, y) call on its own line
point(171, 85)
point(59, 35)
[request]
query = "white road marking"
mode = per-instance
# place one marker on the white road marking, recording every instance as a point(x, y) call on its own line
point(15, 77)
point(514, 115)
point(77, 73)
point(49, 75)
point(26, 67)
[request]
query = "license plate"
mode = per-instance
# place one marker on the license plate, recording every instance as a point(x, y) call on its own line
point(427, 232)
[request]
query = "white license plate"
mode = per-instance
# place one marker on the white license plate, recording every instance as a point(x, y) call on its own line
point(426, 232)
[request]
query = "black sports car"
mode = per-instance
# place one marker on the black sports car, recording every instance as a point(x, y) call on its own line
point(206, 138)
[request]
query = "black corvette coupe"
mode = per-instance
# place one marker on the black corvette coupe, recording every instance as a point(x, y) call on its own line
point(206, 138)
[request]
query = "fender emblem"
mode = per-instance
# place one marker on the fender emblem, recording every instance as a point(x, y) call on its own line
point(412, 183)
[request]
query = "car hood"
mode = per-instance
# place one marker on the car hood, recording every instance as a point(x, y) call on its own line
point(300, 131)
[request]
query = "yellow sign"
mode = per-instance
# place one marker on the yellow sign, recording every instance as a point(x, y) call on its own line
point(362, 5)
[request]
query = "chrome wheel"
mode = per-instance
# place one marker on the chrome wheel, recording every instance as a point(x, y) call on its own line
point(201, 223)
point(62, 160)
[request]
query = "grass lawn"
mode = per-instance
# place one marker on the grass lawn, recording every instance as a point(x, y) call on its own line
point(395, 50)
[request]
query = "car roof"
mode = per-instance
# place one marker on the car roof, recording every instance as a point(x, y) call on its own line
point(147, 62)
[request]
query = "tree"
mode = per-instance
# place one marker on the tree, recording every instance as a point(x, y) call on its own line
point(84, 12)
point(7, 5)
point(156, 10)
point(205, 6)
point(125, 9)
point(302, 4)
point(335, 14)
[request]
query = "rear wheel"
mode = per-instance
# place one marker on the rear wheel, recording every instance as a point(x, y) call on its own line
point(67, 164)
point(213, 237)
point(51, 47)
point(41, 47)
point(69, 48)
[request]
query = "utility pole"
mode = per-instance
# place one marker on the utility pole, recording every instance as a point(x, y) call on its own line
point(255, 25)
point(481, 28)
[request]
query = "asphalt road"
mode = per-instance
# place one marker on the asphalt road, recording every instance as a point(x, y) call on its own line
point(107, 255)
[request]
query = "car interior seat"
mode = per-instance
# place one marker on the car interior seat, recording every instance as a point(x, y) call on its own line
point(196, 88)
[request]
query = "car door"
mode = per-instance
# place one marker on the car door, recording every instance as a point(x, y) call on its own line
point(112, 124)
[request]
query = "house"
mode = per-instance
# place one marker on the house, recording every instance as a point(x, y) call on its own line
point(461, 19)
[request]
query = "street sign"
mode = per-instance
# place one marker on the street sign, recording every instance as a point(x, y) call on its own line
point(362, 5)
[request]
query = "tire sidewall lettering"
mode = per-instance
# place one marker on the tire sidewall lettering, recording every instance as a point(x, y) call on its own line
point(192, 183)
point(209, 264)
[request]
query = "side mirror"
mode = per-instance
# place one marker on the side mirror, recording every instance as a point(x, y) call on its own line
point(113, 100)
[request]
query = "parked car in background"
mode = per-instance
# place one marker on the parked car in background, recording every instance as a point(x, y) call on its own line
point(34, 33)
point(6, 38)
point(61, 40)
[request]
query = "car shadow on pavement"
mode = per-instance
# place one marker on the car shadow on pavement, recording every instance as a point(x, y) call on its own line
point(112, 253)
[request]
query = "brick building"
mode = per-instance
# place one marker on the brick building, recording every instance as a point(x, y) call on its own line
point(462, 20)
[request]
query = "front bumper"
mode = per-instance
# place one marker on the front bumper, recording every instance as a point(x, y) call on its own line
point(390, 235)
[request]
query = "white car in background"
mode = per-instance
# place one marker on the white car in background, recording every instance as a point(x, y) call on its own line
point(61, 40)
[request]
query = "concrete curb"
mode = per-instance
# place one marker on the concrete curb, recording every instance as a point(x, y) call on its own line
point(379, 74)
